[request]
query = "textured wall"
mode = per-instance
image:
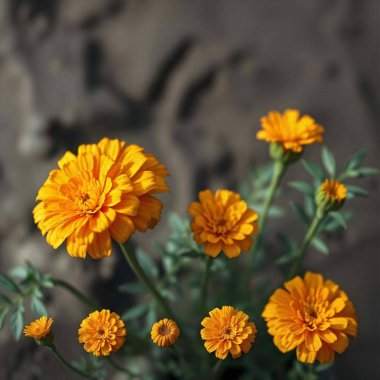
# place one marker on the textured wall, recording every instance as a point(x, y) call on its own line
point(188, 80)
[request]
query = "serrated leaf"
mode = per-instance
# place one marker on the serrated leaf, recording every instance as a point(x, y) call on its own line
point(339, 218)
point(7, 283)
point(314, 170)
point(37, 306)
point(320, 245)
point(300, 212)
point(328, 161)
point(135, 311)
point(303, 187)
point(19, 272)
point(147, 263)
point(17, 322)
point(356, 191)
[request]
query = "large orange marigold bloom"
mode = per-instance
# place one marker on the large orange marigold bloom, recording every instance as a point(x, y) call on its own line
point(290, 130)
point(165, 332)
point(102, 333)
point(39, 328)
point(228, 330)
point(105, 191)
point(223, 222)
point(312, 315)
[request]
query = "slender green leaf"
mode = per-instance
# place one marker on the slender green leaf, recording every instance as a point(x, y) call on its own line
point(17, 321)
point(368, 171)
point(356, 191)
point(303, 187)
point(328, 161)
point(300, 212)
point(4, 299)
point(339, 218)
point(7, 283)
point(147, 263)
point(19, 272)
point(131, 288)
point(37, 306)
point(354, 161)
point(3, 314)
point(314, 170)
point(135, 311)
point(320, 245)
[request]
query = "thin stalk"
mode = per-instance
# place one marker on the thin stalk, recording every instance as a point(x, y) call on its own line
point(312, 230)
point(215, 368)
point(66, 364)
point(120, 368)
point(206, 277)
point(145, 280)
point(75, 292)
point(278, 173)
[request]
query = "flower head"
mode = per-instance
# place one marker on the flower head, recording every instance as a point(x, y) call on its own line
point(165, 332)
point(40, 328)
point(102, 333)
point(105, 191)
point(223, 222)
point(333, 190)
point(312, 315)
point(290, 130)
point(228, 330)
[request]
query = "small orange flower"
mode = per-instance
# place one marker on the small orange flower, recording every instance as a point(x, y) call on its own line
point(165, 332)
point(223, 222)
point(102, 333)
point(228, 330)
point(39, 328)
point(290, 130)
point(312, 315)
point(106, 191)
point(333, 190)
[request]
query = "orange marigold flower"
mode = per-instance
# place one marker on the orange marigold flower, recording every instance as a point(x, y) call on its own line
point(312, 315)
point(290, 130)
point(227, 330)
point(39, 328)
point(223, 222)
point(105, 191)
point(102, 333)
point(165, 332)
point(333, 190)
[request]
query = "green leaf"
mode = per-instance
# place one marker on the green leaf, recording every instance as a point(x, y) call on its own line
point(356, 191)
point(328, 161)
point(275, 212)
point(7, 283)
point(3, 315)
point(320, 245)
point(37, 306)
point(147, 263)
point(17, 321)
point(368, 171)
point(339, 218)
point(300, 212)
point(303, 187)
point(131, 288)
point(4, 299)
point(135, 312)
point(354, 161)
point(19, 272)
point(314, 170)
point(47, 281)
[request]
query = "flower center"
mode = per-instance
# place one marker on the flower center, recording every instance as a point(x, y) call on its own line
point(229, 333)
point(164, 330)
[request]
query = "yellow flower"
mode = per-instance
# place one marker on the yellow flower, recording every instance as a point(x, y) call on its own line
point(223, 222)
point(289, 130)
point(312, 315)
point(165, 332)
point(333, 190)
point(39, 328)
point(227, 330)
point(102, 333)
point(104, 192)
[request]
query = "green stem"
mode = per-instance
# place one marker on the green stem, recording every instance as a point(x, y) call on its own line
point(145, 280)
point(312, 230)
point(278, 173)
point(120, 368)
point(216, 368)
point(66, 364)
point(206, 277)
point(75, 292)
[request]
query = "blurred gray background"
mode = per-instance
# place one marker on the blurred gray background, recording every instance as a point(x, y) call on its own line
point(189, 81)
